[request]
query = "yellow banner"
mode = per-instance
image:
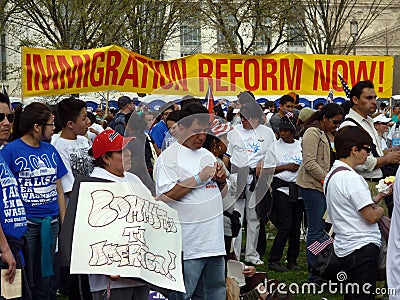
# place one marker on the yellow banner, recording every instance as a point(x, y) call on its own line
point(55, 72)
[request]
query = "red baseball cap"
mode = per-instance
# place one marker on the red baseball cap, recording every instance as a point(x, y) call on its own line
point(108, 141)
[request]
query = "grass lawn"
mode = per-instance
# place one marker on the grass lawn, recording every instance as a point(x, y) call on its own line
point(290, 277)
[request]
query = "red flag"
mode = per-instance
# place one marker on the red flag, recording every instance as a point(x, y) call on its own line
point(209, 100)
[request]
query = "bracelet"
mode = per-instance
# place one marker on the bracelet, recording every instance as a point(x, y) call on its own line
point(198, 180)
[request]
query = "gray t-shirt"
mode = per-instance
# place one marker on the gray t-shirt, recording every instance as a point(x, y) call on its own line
point(274, 122)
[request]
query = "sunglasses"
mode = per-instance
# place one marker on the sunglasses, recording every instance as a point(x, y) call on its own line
point(10, 117)
point(368, 149)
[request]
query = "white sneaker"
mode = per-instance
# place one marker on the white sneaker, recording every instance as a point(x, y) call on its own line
point(255, 261)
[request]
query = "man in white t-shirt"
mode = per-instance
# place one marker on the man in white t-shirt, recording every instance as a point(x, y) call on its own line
point(190, 180)
point(247, 145)
point(71, 144)
point(73, 148)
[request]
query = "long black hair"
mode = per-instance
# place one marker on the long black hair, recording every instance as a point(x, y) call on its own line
point(27, 116)
point(330, 110)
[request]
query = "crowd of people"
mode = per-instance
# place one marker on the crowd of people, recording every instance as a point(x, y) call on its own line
point(254, 164)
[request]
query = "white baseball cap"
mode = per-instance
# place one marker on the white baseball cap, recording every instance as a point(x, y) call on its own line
point(381, 118)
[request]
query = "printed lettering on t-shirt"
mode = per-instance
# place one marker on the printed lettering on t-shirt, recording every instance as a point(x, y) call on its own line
point(81, 162)
point(13, 208)
point(211, 185)
point(37, 178)
point(250, 146)
point(292, 157)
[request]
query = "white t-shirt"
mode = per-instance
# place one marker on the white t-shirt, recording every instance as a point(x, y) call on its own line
point(393, 252)
point(100, 282)
point(92, 135)
point(391, 132)
point(200, 210)
point(74, 154)
point(347, 194)
point(286, 154)
point(248, 147)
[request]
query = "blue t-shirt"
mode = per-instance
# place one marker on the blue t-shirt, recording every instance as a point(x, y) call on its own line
point(12, 212)
point(36, 170)
point(158, 133)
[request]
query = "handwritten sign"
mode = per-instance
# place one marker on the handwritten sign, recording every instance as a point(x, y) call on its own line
point(121, 230)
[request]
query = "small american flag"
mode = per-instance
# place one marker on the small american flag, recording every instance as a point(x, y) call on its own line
point(288, 114)
point(209, 100)
point(329, 99)
point(346, 88)
point(317, 247)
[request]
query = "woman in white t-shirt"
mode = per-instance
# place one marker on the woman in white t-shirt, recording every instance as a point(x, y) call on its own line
point(354, 214)
point(286, 205)
point(110, 162)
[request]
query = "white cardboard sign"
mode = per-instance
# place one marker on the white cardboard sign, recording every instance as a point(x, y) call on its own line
point(121, 230)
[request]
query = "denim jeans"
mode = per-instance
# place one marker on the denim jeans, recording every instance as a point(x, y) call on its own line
point(42, 285)
point(315, 207)
point(361, 268)
point(131, 293)
point(204, 279)
point(289, 223)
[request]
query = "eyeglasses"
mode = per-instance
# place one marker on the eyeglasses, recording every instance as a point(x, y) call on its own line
point(336, 122)
point(368, 149)
point(10, 117)
point(49, 124)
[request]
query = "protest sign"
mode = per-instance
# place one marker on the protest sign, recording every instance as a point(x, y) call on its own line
point(52, 72)
point(121, 230)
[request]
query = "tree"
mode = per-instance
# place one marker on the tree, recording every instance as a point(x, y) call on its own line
point(72, 24)
point(151, 24)
point(322, 22)
point(249, 26)
point(7, 9)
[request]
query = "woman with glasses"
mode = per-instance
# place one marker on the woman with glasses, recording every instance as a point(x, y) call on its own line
point(38, 168)
point(111, 158)
point(6, 120)
point(354, 213)
point(318, 157)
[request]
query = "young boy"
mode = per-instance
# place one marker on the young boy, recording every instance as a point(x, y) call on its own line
point(73, 148)
point(71, 143)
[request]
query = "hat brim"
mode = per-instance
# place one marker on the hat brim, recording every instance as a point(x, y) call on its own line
point(116, 147)
point(288, 126)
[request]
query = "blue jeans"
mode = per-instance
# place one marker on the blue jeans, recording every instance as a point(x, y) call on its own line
point(42, 285)
point(204, 279)
point(315, 207)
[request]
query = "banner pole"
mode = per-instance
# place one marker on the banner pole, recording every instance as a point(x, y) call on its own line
point(107, 98)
